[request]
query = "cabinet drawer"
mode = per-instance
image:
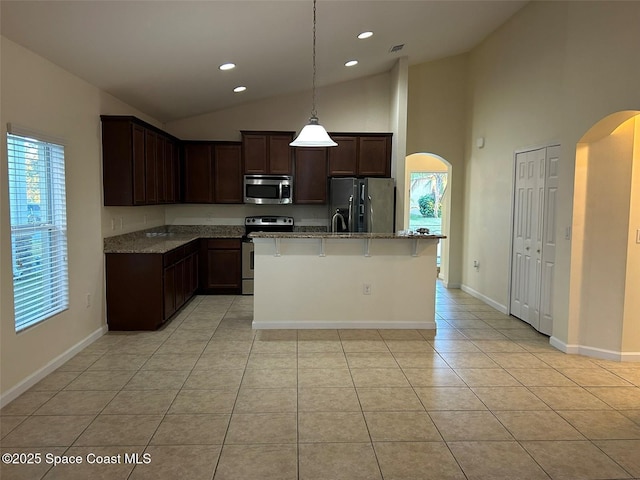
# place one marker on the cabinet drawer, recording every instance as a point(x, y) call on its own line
point(172, 257)
point(223, 243)
point(191, 247)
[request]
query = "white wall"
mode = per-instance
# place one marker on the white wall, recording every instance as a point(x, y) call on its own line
point(38, 95)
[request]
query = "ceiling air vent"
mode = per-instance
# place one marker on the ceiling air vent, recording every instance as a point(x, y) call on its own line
point(396, 48)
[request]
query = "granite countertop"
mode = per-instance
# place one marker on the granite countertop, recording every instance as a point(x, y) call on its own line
point(170, 237)
point(361, 236)
point(165, 239)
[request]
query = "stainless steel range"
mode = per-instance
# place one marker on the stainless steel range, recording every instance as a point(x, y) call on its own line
point(259, 223)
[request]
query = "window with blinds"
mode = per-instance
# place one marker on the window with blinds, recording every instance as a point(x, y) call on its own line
point(38, 216)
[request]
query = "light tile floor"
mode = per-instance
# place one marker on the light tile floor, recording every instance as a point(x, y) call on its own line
point(483, 397)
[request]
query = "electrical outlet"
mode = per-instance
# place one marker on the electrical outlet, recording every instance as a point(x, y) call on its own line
point(113, 224)
point(366, 289)
point(638, 236)
point(88, 300)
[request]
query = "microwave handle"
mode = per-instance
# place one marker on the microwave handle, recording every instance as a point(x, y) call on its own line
point(279, 191)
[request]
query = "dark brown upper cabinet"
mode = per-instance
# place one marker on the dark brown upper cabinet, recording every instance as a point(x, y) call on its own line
point(134, 163)
point(267, 152)
point(360, 155)
point(198, 172)
point(227, 172)
point(310, 182)
point(212, 172)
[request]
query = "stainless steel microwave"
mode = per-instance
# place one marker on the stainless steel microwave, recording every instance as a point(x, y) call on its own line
point(268, 189)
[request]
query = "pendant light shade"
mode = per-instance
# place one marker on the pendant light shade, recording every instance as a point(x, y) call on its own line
point(313, 134)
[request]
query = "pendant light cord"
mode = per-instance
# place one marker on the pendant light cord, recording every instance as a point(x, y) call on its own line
point(314, 113)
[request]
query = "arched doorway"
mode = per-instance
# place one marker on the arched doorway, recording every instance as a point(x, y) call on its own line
point(605, 246)
point(427, 177)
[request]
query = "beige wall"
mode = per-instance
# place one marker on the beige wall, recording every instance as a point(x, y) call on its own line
point(547, 75)
point(359, 105)
point(515, 95)
point(40, 96)
point(399, 117)
point(631, 324)
point(421, 162)
point(438, 110)
point(605, 238)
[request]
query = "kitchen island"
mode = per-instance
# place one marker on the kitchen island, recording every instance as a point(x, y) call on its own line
point(344, 280)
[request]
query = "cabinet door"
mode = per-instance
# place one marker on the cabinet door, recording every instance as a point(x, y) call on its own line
point(228, 173)
point(170, 171)
point(221, 265)
point(280, 154)
point(169, 291)
point(198, 173)
point(138, 134)
point(223, 270)
point(374, 157)
point(343, 159)
point(161, 168)
point(150, 150)
point(310, 175)
point(255, 151)
point(180, 284)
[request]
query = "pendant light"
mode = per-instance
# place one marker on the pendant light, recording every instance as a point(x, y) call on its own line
point(313, 134)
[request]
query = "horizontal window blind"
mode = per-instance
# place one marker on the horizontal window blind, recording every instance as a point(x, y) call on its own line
point(38, 213)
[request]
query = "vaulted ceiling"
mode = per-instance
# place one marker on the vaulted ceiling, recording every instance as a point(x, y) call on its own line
point(162, 57)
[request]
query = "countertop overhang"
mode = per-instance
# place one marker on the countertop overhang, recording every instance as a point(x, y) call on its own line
point(357, 236)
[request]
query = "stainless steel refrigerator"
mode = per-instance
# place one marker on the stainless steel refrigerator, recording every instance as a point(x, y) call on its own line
point(362, 205)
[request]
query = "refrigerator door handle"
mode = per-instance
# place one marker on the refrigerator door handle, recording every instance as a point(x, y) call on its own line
point(370, 214)
point(350, 218)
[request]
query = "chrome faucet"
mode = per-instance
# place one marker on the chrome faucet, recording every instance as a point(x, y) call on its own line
point(334, 221)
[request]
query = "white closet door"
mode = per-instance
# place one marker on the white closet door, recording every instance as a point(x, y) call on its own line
point(526, 262)
point(549, 239)
point(534, 237)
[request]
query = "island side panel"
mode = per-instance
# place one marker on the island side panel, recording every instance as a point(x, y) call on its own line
point(301, 289)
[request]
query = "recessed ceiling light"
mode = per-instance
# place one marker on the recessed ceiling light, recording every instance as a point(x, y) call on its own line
point(364, 35)
point(227, 66)
point(239, 89)
point(351, 63)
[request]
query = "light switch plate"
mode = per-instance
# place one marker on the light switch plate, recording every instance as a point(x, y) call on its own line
point(638, 236)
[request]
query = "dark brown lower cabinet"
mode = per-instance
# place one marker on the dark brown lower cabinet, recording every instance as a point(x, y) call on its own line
point(221, 265)
point(145, 289)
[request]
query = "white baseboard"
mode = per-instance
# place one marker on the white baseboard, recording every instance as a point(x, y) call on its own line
point(450, 284)
point(492, 303)
point(54, 364)
point(594, 352)
point(331, 324)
